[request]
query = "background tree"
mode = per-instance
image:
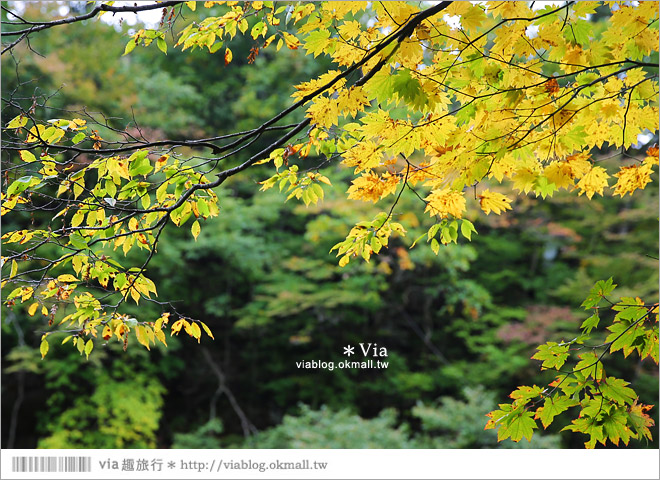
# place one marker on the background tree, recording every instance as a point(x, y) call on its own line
point(440, 103)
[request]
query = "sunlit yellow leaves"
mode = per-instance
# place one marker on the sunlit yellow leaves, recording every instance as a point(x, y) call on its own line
point(291, 41)
point(33, 309)
point(593, 182)
point(579, 164)
point(195, 229)
point(632, 178)
point(352, 101)
point(559, 173)
point(27, 156)
point(494, 202)
point(307, 88)
point(43, 347)
point(228, 56)
point(367, 238)
point(340, 9)
point(363, 156)
point(324, 112)
point(371, 187)
point(445, 202)
point(524, 179)
point(651, 156)
point(141, 336)
point(17, 122)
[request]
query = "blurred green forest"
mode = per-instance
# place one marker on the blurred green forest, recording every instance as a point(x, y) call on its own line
point(459, 327)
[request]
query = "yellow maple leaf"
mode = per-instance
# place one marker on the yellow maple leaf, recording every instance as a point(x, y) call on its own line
point(352, 101)
point(593, 182)
point(559, 173)
point(504, 167)
point(652, 156)
point(632, 178)
point(493, 201)
point(324, 112)
point(371, 187)
point(445, 202)
point(580, 164)
point(524, 179)
point(350, 29)
point(363, 156)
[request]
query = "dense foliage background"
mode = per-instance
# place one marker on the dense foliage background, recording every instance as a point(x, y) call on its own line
point(459, 327)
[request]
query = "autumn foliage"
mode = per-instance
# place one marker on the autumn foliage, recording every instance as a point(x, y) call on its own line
point(464, 104)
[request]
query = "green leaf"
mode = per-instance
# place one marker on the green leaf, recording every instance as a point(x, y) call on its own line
point(524, 394)
point(601, 289)
point(215, 47)
point(624, 337)
point(259, 28)
point(22, 184)
point(77, 241)
point(435, 246)
point(589, 365)
point(88, 347)
point(161, 44)
point(615, 389)
point(43, 348)
point(520, 425)
point(467, 228)
point(376, 245)
point(544, 188)
point(590, 323)
point(130, 46)
point(79, 137)
point(552, 355)
point(317, 41)
point(615, 426)
point(553, 407)
point(589, 426)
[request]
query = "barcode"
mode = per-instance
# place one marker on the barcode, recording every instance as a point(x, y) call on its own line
point(51, 464)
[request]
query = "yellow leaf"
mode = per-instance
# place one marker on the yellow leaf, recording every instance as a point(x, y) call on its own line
point(88, 348)
point(493, 201)
point(66, 278)
point(26, 294)
point(632, 178)
point(228, 56)
point(593, 182)
point(343, 261)
point(33, 309)
point(14, 269)
point(27, 156)
point(207, 330)
point(195, 331)
point(141, 336)
point(176, 327)
point(195, 229)
point(445, 202)
point(160, 335)
point(107, 333)
point(191, 5)
point(43, 348)
point(160, 163)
